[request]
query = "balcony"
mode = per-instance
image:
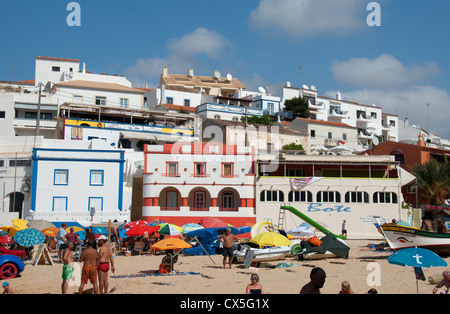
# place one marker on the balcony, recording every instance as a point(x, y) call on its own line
point(317, 106)
point(240, 110)
point(23, 123)
point(337, 113)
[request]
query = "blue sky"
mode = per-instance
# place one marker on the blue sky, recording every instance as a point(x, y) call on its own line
point(401, 65)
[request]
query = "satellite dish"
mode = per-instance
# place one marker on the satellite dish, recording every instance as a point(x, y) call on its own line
point(375, 140)
point(288, 84)
point(217, 74)
point(313, 87)
point(229, 77)
point(305, 87)
point(262, 90)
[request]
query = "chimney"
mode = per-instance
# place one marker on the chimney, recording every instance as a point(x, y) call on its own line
point(84, 67)
point(338, 96)
point(191, 72)
point(420, 142)
point(165, 71)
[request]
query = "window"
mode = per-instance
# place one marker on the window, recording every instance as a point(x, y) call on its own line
point(100, 101)
point(373, 115)
point(200, 169)
point(172, 199)
point(61, 177)
point(172, 169)
point(330, 135)
point(227, 200)
point(169, 100)
point(199, 199)
point(124, 102)
point(385, 198)
point(357, 197)
point(96, 177)
point(56, 69)
point(411, 189)
point(20, 162)
point(2, 115)
point(217, 117)
point(344, 136)
point(96, 203)
point(313, 133)
point(77, 99)
point(59, 203)
point(2, 163)
point(328, 197)
point(187, 102)
point(227, 170)
point(295, 172)
point(300, 196)
point(33, 115)
point(392, 122)
point(272, 196)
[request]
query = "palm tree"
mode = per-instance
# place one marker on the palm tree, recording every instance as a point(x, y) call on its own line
point(433, 177)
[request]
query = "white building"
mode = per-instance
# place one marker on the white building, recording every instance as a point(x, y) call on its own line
point(331, 189)
point(184, 182)
point(71, 178)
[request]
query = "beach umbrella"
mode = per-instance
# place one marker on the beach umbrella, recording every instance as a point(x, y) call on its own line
point(171, 244)
point(81, 234)
point(156, 223)
point(259, 227)
point(170, 229)
point(301, 232)
point(135, 224)
point(191, 227)
point(3, 233)
point(11, 230)
point(20, 223)
point(5, 239)
point(29, 237)
point(100, 231)
point(40, 224)
point(271, 239)
point(213, 222)
point(340, 149)
point(141, 231)
point(417, 258)
point(75, 229)
point(244, 229)
point(50, 232)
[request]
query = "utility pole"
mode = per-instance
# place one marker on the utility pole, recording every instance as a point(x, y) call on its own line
point(38, 118)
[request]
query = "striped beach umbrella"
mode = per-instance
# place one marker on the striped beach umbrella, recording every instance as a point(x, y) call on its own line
point(40, 224)
point(170, 229)
point(29, 237)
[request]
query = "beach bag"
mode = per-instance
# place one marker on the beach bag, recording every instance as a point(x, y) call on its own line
point(314, 241)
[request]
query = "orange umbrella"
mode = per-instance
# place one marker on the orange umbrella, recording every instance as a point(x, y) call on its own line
point(50, 232)
point(171, 244)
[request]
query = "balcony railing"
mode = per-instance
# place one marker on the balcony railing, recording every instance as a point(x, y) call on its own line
point(199, 209)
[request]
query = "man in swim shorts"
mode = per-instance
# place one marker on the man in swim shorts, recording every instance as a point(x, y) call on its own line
point(103, 264)
point(89, 273)
point(67, 267)
point(227, 240)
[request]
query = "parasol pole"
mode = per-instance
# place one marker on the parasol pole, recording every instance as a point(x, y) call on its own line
point(195, 238)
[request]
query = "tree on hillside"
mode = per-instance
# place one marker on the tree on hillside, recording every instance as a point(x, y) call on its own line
point(433, 177)
point(293, 146)
point(299, 107)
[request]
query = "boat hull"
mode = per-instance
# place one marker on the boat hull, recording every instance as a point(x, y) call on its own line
point(263, 255)
point(405, 237)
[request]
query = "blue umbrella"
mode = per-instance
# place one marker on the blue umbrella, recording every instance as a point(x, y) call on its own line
point(156, 223)
point(29, 237)
point(417, 258)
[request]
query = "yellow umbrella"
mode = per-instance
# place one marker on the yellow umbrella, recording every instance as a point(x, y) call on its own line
point(171, 244)
point(75, 229)
point(271, 239)
point(20, 223)
point(10, 229)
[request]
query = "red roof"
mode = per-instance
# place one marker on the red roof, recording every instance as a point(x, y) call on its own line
point(57, 59)
point(326, 122)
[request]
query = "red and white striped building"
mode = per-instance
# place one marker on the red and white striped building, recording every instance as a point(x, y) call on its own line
point(184, 182)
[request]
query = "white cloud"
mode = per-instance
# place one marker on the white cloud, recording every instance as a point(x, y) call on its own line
point(183, 53)
point(384, 71)
point(308, 18)
point(409, 102)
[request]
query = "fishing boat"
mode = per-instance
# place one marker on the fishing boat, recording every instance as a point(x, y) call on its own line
point(262, 255)
point(402, 237)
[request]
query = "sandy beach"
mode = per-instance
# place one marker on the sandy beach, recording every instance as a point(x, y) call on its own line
point(136, 275)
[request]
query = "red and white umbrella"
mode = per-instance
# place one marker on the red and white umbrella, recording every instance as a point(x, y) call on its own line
point(136, 223)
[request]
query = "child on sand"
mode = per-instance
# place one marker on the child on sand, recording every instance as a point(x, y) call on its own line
point(345, 288)
point(7, 288)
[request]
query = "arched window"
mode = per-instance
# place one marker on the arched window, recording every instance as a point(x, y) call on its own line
point(271, 196)
point(328, 197)
point(300, 196)
point(357, 197)
point(385, 198)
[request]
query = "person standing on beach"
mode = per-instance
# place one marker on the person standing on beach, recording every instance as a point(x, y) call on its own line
point(344, 228)
point(317, 277)
point(227, 240)
point(89, 273)
point(61, 240)
point(67, 267)
point(103, 264)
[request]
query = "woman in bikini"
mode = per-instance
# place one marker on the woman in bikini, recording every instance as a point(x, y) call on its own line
point(254, 287)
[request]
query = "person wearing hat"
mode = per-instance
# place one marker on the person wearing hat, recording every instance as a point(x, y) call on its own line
point(7, 288)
